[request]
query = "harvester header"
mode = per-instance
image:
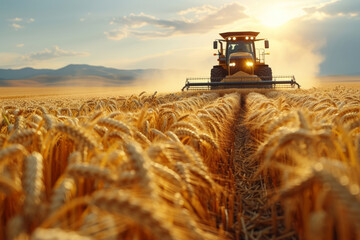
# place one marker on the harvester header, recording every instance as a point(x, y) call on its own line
point(240, 65)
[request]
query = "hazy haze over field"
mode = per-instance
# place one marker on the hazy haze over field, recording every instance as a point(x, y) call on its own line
point(307, 38)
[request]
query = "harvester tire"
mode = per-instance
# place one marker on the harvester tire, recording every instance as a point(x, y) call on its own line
point(264, 72)
point(218, 73)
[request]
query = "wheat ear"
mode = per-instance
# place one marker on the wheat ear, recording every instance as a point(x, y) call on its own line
point(297, 186)
point(49, 121)
point(186, 125)
point(77, 134)
point(159, 134)
point(140, 161)
point(33, 184)
point(114, 124)
point(62, 193)
point(100, 225)
point(349, 198)
point(100, 130)
point(166, 173)
point(123, 204)
point(142, 138)
point(91, 171)
point(22, 136)
point(11, 152)
point(173, 136)
point(19, 123)
point(183, 132)
point(208, 139)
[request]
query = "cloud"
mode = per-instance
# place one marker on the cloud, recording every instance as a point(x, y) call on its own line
point(20, 45)
point(116, 34)
point(349, 8)
point(205, 9)
point(16, 22)
point(298, 57)
point(193, 20)
point(55, 52)
point(15, 19)
point(17, 26)
point(342, 7)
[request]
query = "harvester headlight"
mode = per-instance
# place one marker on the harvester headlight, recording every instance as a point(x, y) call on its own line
point(234, 38)
point(229, 38)
point(249, 64)
point(247, 38)
point(232, 64)
point(252, 38)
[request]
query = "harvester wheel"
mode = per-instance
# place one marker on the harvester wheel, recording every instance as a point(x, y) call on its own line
point(218, 73)
point(264, 72)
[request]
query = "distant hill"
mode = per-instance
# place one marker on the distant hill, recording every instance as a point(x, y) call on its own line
point(74, 72)
point(10, 74)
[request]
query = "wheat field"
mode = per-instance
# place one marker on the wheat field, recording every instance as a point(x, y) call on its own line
point(231, 164)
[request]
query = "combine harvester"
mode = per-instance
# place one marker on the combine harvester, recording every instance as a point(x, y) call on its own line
point(240, 66)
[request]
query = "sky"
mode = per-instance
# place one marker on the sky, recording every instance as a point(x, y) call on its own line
point(307, 37)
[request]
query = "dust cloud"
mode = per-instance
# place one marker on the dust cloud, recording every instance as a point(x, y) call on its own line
point(294, 51)
point(289, 57)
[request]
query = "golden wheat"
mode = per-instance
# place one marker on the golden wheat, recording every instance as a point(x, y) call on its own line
point(295, 140)
point(188, 165)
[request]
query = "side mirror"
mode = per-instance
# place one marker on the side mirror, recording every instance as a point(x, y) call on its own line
point(266, 43)
point(215, 46)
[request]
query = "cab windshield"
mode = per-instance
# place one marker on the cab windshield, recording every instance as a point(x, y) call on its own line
point(240, 46)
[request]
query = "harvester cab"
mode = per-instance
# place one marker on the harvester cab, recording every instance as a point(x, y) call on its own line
point(241, 65)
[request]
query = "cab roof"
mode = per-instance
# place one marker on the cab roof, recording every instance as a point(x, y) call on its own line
point(225, 35)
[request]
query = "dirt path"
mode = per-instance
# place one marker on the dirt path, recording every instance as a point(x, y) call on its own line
point(255, 218)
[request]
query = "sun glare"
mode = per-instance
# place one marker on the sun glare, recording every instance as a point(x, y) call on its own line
point(277, 16)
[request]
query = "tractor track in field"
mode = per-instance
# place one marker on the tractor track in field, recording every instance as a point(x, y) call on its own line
point(254, 217)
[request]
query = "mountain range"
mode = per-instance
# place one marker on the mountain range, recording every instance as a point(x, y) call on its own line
point(73, 74)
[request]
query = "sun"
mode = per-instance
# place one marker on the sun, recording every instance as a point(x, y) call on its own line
point(278, 15)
